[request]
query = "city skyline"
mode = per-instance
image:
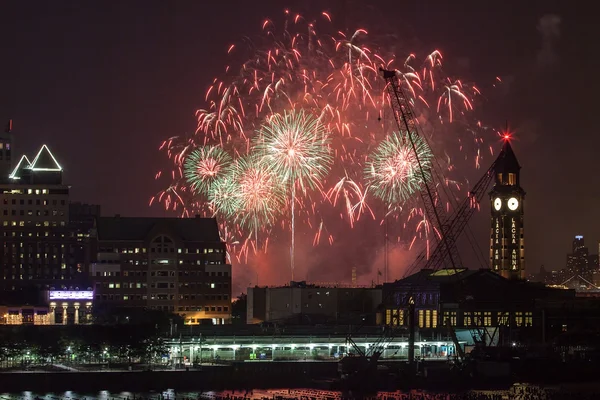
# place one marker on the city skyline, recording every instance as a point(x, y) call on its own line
point(143, 115)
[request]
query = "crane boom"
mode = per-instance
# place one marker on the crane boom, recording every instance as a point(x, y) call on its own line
point(458, 221)
point(432, 204)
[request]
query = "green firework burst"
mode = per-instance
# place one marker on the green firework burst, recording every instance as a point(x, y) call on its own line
point(392, 172)
point(295, 146)
point(204, 166)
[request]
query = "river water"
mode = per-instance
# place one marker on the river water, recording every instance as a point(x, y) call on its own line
point(518, 392)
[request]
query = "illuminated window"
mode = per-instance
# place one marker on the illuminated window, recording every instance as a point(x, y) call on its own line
point(468, 318)
point(477, 318)
point(512, 179)
point(421, 318)
point(37, 191)
point(434, 317)
point(29, 191)
point(44, 191)
point(212, 285)
point(450, 315)
point(499, 177)
point(125, 297)
point(487, 318)
point(528, 319)
point(111, 285)
point(519, 319)
point(427, 318)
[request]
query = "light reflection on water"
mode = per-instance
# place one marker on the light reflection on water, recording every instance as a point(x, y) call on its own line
point(281, 394)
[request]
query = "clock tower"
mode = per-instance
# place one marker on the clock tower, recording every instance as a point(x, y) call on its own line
point(507, 242)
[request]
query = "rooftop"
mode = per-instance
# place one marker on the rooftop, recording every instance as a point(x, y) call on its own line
point(136, 228)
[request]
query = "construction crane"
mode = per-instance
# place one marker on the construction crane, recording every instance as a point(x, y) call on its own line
point(432, 203)
point(444, 254)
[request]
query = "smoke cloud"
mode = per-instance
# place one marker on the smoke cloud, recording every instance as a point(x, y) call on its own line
point(549, 28)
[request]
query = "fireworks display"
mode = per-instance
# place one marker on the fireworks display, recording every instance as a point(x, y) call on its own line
point(393, 173)
point(203, 166)
point(298, 131)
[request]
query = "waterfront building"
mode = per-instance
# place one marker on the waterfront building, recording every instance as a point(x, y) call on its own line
point(302, 303)
point(50, 307)
point(477, 300)
point(175, 265)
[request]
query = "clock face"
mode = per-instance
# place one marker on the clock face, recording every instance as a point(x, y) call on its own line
point(497, 204)
point(513, 203)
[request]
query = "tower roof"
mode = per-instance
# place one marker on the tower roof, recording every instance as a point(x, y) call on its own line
point(45, 161)
point(507, 161)
point(23, 163)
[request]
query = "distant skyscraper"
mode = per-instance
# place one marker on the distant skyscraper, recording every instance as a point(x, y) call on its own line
point(507, 241)
point(579, 261)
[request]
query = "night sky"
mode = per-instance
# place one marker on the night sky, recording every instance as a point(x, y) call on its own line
point(103, 83)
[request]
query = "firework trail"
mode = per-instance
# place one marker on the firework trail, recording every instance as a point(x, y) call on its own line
point(307, 105)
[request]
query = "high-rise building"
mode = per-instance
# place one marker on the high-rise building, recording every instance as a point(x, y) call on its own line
point(38, 247)
point(170, 264)
point(507, 240)
point(578, 259)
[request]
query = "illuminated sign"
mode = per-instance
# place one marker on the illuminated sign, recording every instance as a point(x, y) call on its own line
point(513, 231)
point(71, 295)
point(496, 245)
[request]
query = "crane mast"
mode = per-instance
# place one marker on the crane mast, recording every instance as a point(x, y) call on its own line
point(432, 203)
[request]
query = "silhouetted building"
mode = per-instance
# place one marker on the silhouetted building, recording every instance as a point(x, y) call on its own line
point(302, 303)
point(38, 247)
point(83, 216)
point(469, 299)
point(171, 264)
point(5, 152)
point(507, 240)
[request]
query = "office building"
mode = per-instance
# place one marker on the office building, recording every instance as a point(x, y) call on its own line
point(38, 247)
point(172, 264)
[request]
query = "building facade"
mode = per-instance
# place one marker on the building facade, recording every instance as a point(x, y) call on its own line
point(38, 247)
point(471, 299)
point(507, 239)
point(300, 303)
point(172, 264)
